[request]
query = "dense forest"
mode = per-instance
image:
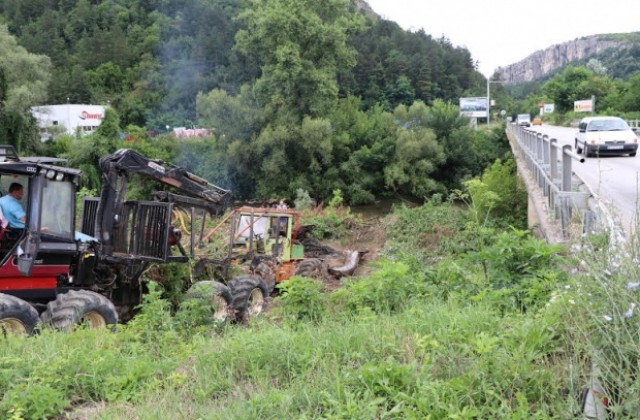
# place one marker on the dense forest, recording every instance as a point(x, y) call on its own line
point(149, 59)
point(299, 95)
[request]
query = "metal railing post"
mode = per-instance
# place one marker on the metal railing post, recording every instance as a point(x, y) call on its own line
point(553, 158)
point(566, 168)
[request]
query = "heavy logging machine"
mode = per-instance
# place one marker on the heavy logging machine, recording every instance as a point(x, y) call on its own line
point(51, 273)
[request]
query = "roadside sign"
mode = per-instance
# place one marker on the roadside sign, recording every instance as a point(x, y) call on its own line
point(474, 107)
point(583, 106)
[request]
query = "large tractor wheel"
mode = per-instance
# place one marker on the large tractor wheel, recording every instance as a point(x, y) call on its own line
point(312, 268)
point(214, 294)
point(16, 316)
point(78, 306)
point(249, 296)
point(264, 271)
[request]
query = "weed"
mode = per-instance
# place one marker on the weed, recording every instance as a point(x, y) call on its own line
point(301, 299)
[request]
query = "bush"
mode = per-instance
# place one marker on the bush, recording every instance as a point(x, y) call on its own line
point(425, 232)
point(498, 198)
point(392, 287)
point(519, 270)
point(301, 298)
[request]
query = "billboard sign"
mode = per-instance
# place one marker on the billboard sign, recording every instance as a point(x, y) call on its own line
point(583, 106)
point(549, 108)
point(474, 107)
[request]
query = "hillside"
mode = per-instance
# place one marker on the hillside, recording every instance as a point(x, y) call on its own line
point(618, 53)
point(149, 60)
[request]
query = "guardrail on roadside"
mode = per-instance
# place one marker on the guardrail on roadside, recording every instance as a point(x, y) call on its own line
point(551, 166)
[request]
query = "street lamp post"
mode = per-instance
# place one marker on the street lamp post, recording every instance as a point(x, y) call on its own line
point(489, 81)
point(488, 100)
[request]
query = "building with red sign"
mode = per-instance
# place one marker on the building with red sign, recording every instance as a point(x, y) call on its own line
point(54, 120)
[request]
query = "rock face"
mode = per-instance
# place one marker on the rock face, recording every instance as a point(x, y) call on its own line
point(557, 56)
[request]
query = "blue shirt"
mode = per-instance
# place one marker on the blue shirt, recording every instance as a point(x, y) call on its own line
point(13, 212)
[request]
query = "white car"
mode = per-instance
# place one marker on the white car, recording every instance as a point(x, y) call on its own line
point(605, 136)
point(524, 120)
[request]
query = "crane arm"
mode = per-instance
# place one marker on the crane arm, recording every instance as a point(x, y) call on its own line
point(119, 166)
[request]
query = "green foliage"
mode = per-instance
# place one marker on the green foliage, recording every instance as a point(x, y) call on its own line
point(24, 79)
point(300, 46)
point(171, 278)
point(154, 315)
point(301, 299)
point(422, 233)
point(520, 271)
point(336, 200)
point(33, 401)
point(417, 157)
point(391, 288)
point(302, 201)
point(499, 198)
point(330, 222)
point(407, 341)
point(389, 57)
point(236, 117)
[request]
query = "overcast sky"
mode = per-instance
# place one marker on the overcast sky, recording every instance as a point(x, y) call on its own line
point(503, 32)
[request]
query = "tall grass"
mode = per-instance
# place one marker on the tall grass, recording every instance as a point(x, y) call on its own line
point(480, 324)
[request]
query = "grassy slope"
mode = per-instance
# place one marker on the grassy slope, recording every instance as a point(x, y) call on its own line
point(435, 333)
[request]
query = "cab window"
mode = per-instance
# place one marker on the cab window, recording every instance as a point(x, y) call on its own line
point(57, 210)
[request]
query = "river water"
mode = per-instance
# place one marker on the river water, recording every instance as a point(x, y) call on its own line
point(380, 208)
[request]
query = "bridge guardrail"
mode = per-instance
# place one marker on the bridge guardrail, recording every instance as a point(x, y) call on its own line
point(551, 166)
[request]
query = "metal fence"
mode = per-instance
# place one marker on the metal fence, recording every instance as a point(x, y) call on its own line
point(551, 167)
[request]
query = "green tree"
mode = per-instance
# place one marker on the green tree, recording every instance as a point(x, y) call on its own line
point(630, 98)
point(300, 45)
point(25, 80)
point(499, 195)
point(236, 117)
point(567, 87)
point(417, 156)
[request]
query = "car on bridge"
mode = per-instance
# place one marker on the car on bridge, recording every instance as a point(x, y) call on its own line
point(524, 120)
point(605, 136)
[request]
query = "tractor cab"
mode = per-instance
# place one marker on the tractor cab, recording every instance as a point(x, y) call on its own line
point(266, 231)
point(35, 256)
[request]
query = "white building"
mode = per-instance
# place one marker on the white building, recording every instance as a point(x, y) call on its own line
point(54, 120)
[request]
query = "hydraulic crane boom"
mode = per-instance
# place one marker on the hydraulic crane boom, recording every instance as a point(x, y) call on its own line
point(119, 166)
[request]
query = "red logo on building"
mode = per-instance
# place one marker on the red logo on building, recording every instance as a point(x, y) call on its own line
point(84, 115)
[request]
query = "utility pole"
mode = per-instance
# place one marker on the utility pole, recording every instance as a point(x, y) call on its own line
point(488, 100)
point(489, 97)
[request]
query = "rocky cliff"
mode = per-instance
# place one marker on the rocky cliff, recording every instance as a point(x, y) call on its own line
point(542, 62)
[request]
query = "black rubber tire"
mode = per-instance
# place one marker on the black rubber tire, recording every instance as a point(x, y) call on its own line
point(267, 275)
point(578, 148)
point(632, 154)
point(215, 294)
point(77, 306)
point(248, 296)
point(312, 268)
point(16, 316)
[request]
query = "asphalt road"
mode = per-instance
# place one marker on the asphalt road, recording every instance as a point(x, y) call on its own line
point(615, 179)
